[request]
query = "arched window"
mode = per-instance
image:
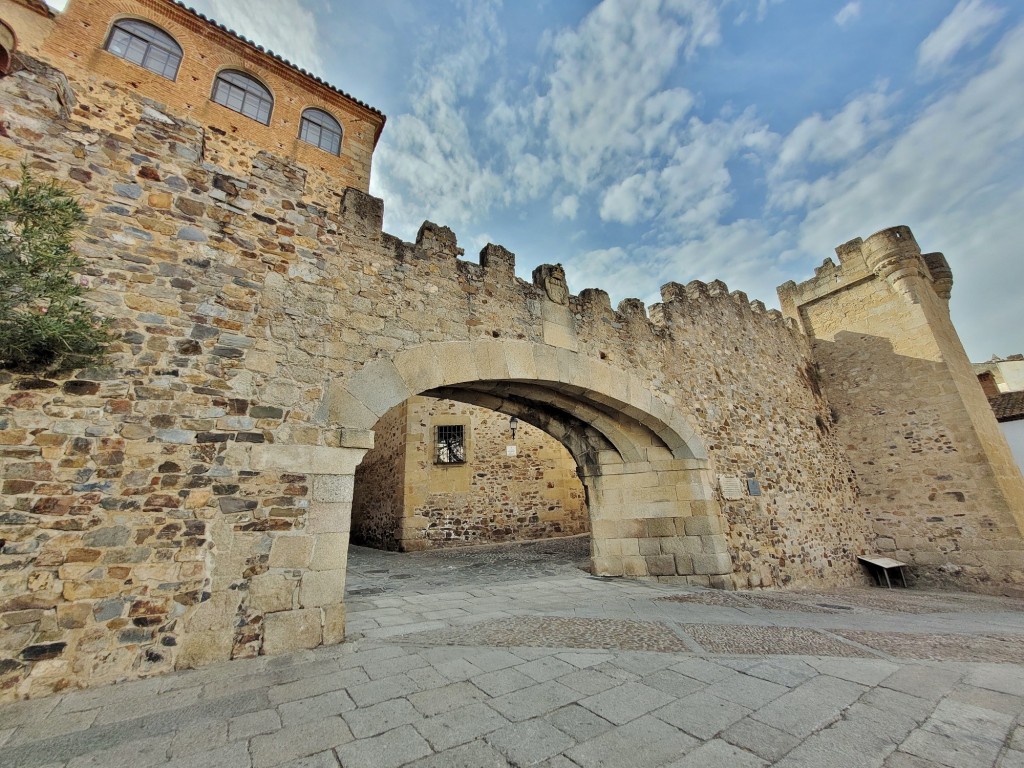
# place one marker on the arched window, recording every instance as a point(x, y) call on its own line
point(8, 42)
point(321, 130)
point(145, 45)
point(236, 90)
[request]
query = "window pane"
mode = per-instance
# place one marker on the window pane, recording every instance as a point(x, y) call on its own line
point(146, 45)
point(118, 43)
point(241, 93)
point(136, 51)
point(149, 33)
point(156, 59)
point(451, 444)
point(321, 129)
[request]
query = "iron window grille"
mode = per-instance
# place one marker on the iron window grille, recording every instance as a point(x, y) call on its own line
point(321, 130)
point(241, 93)
point(148, 46)
point(451, 444)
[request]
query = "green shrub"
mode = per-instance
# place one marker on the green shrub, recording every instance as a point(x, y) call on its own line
point(44, 325)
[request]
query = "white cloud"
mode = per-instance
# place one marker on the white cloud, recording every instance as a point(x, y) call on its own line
point(965, 27)
point(848, 13)
point(263, 22)
point(952, 177)
point(567, 208)
point(759, 12)
point(743, 254)
point(591, 115)
point(821, 140)
point(428, 156)
point(604, 95)
point(628, 201)
point(692, 189)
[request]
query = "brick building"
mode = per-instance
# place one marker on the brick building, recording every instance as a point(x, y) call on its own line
point(248, 98)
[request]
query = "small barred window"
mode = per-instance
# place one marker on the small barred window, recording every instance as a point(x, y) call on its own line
point(451, 444)
point(145, 45)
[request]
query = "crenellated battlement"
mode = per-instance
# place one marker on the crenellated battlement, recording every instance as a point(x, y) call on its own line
point(892, 255)
point(362, 215)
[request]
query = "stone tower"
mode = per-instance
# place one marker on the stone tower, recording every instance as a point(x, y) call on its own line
point(937, 480)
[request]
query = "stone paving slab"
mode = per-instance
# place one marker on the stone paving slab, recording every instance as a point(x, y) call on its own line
point(587, 673)
point(854, 600)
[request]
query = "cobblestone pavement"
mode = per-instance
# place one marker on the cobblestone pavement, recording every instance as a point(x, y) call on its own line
point(514, 656)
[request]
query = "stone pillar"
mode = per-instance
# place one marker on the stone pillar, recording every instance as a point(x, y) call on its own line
point(656, 520)
point(316, 559)
point(302, 593)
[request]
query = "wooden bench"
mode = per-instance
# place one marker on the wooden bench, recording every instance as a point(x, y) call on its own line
point(880, 566)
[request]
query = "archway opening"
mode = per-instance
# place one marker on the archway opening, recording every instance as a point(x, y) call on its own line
point(648, 485)
point(445, 473)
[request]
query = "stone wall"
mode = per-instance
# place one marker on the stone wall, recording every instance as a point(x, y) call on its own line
point(131, 541)
point(493, 497)
point(190, 501)
point(936, 477)
point(764, 416)
point(379, 497)
point(405, 500)
point(75, 44)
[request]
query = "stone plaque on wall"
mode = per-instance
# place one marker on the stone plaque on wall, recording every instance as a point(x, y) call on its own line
point(511, 450)
point(731, 486)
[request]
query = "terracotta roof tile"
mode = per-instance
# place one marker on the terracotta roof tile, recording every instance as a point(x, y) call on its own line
point(1008, 406)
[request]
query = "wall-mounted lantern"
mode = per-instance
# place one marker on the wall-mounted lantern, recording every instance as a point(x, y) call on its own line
point(513, 424)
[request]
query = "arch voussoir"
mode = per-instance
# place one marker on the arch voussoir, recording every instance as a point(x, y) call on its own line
point(491, 363)
point(379, 386)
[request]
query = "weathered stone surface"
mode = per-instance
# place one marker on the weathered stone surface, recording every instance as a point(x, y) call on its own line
point(291, 551)
point(315, 330)
point(404, 500)
point(292, 630)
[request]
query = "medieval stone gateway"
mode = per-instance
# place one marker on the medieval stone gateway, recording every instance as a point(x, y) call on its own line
point(190, 501)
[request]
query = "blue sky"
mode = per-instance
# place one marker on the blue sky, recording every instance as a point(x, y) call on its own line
point(642, 141)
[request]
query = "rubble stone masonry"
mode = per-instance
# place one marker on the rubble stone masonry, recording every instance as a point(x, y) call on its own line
point(189, 501)
point(405, 500)
point(936, 477)
point(74, 42)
